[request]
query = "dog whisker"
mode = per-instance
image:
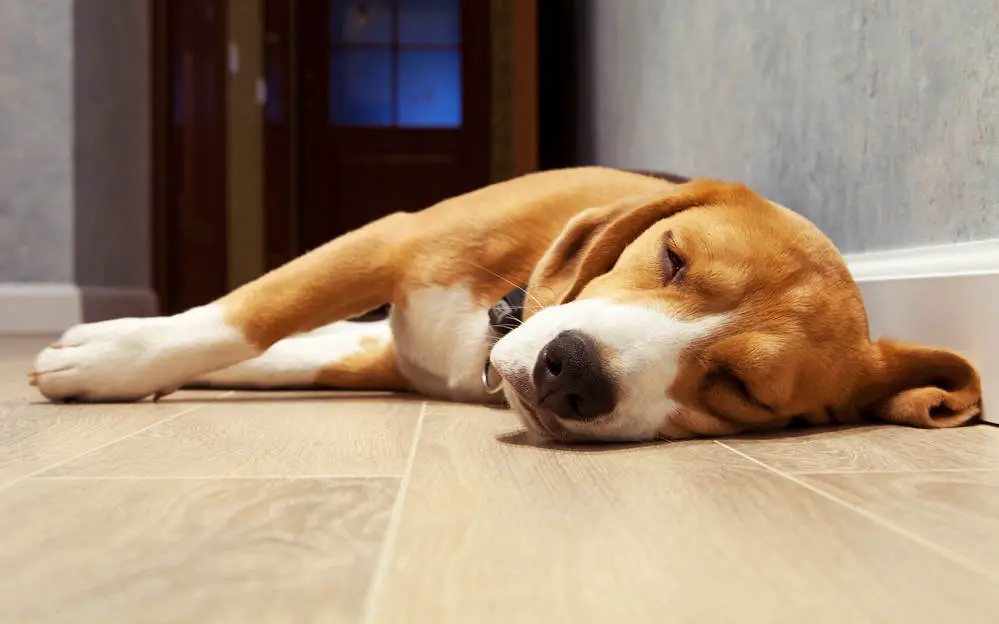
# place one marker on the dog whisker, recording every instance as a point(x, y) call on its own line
point(515, 285)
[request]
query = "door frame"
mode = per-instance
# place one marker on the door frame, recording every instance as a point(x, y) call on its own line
point(280, 127)
point(184, 273)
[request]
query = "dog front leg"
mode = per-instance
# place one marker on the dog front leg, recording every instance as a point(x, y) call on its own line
point(128, 359)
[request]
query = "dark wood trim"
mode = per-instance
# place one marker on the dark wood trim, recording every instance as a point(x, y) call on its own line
point(190, 260)
point(476, 53)
point(558, 62)
point(501, 141)
point(159, 86)
point(280, 135)
point(525, 86)
point(513, 87)
point(312, 26)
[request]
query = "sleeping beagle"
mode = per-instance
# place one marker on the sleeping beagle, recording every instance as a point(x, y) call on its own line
point(650, 310)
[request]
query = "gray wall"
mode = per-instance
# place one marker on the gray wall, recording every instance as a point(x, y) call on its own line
point(36, 129)
point(877, 119)
point(112, 151)
point(74, 142)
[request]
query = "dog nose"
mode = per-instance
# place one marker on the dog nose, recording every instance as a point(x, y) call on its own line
point(570, 380)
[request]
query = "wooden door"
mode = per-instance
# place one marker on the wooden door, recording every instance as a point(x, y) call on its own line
point(189, 152)
point(395, 108)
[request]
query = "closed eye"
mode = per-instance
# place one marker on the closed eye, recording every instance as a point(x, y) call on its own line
point(672, 262)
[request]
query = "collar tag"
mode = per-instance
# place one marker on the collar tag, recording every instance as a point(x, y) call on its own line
point(507, 313)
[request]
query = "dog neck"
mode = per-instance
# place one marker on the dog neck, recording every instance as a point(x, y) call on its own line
point(507, 313)
point(505, 316)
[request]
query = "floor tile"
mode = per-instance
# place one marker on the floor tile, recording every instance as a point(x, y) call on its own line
point(956, 510)
point(190, 551)
point(495, 531)
point(262, 434)
point(16, 357)
point(218, 515)
point(36, 436)
point(14, 387)
point(22, 348)
point(876, 448)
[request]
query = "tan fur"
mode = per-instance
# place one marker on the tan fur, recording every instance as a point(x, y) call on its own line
point(488, 241)
point(796, 345)
point(792, 343)
point(491, 239)
point(373, 368)
point(345, 277)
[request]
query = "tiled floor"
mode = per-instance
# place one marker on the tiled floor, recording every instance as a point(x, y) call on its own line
point(241, 507)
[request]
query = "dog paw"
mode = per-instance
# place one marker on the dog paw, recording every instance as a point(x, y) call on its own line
point(120, 360)
point(132, 358)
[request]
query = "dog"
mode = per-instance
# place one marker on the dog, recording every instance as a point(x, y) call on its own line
point(651, 310)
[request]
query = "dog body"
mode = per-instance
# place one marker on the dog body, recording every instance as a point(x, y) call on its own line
point(652, 310)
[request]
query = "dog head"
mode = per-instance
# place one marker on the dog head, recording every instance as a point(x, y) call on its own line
point(708, 310)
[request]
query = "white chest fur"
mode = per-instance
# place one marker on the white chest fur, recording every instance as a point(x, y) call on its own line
point(442, 341)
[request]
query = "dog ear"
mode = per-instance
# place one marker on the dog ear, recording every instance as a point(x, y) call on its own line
point(591, 242)
point(919, 386)
point(751, 378)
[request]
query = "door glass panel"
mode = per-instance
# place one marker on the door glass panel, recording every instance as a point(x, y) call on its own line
point(360, 87)
point(360, 21)
point(430, 21)
point(429, 88)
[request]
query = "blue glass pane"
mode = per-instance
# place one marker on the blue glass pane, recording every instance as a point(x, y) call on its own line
point(274, 106)
point(361, 87)
point(430, 88)
point(360, 21)
point(429, 21)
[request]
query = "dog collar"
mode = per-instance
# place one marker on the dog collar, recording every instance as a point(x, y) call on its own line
point(507, 313)
point(504, 317)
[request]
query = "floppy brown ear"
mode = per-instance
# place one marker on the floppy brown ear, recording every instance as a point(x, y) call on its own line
point(750, 378)
point(591, 242)
point(920, 386)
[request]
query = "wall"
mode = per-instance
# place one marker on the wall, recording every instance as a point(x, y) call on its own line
point(74, 161)
point(111, 145)
point(36, 129)
point(877, 119)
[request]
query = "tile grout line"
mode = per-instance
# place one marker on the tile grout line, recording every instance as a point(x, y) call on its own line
point(883, 522)
point(274, 477)
point(99, 447)
point(808, 473)
point(392, 531)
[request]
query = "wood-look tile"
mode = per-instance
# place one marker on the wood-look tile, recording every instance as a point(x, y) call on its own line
point(16, 357)
point(36, 436)
point(14, 387)
point(266, 434)
point(687, 532)
point(22, 348)
point(876, 448)
point(956, 510)
point(292, 550)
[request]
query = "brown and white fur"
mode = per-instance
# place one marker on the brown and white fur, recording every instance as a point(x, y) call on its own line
point(710, 310)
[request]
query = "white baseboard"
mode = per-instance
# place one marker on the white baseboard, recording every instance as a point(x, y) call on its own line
point(52, 308)
point(38, 308)
point(944, 296)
